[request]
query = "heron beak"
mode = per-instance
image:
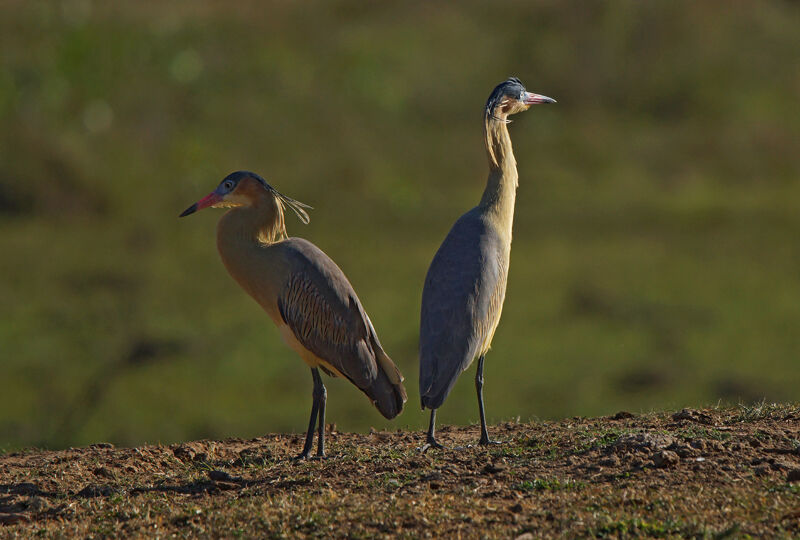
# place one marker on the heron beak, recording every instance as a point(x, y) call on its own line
point(535, 99)
point(209, 200)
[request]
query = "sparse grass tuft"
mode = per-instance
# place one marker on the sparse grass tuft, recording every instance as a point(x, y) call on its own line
point(634, 527)
point(601, 437)
point(763, 410)
point(698, 432)
point(549, 484)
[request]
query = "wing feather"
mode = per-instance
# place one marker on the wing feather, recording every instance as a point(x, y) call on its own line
point(321, 308)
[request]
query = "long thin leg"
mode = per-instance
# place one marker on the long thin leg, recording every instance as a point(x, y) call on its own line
point(479, 387)
point(321, 395)
point(431, 438)
point(312, 423)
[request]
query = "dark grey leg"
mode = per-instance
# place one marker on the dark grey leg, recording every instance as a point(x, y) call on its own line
point(479, 387)
point(431, 438)
point(321, 395)
point(312, 423)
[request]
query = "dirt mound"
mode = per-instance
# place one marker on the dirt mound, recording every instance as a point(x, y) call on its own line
point(715, 472)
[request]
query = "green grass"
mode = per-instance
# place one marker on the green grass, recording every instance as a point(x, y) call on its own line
point(695, 432)
point(549, 484)
point(763, 409)
point(654, 259)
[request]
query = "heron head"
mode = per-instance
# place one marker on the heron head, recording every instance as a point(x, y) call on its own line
point(510, 97)
point(237, 189)
point(245, 188)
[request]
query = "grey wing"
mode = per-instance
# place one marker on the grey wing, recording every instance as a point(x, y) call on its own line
point(320, 306)
point(461, 298)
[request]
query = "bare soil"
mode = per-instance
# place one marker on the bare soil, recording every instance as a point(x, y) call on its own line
point(696, 473)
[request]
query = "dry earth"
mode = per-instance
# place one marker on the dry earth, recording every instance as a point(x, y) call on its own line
point(712, 473)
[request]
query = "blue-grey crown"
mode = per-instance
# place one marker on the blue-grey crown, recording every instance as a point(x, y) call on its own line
point(511, 87)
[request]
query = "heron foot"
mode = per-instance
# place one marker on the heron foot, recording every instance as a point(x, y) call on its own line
point(486, 441)
point(427, 446)
point(430, 442)
point(302, 456)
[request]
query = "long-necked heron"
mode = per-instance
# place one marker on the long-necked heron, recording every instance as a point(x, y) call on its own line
point(305, 294)
point(466, 282)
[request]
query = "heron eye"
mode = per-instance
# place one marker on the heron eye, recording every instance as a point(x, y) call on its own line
point(228, 185)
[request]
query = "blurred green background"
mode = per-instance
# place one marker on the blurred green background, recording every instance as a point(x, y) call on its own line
point(655, 258)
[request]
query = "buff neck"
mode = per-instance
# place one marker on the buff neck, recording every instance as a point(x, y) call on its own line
point(501, 187)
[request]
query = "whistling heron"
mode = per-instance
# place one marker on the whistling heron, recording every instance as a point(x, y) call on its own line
point(466, 282)
point(305, 294)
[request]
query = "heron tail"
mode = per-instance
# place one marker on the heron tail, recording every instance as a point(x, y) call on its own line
point(437, 379)
point(387, 392)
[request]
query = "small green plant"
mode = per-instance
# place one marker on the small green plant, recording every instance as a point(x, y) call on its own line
point(696, 432)
point(601, 438)
point(794, 489)
point(549, 484)
point(640, 527)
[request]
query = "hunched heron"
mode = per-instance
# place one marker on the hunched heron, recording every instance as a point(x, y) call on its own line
point(305, 294)
point(466, 283)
